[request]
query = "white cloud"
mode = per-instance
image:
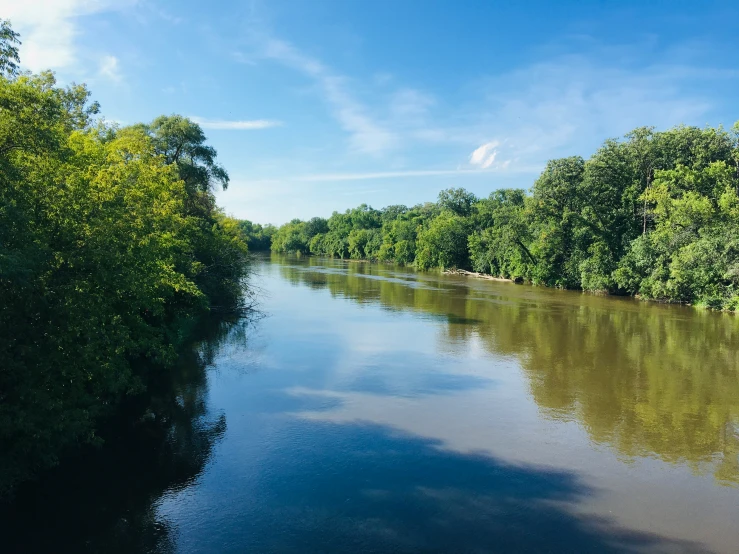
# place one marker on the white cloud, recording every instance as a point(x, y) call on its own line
point(110, 69)
point(382, 78)
point(484, 156)
point(372, 175)
point(505, 124)
point(239, 125)
point(326, 177)
point(48, 28)
point(367, 134)
point(164, 14)
point(570, 104)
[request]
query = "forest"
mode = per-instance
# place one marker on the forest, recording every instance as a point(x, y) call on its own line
point(655, 215)
point(111, 247)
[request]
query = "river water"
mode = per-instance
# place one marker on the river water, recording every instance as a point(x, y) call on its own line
point(368, 408)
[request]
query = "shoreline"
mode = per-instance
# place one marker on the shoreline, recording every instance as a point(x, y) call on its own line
point(488, 277)
point(476, 274)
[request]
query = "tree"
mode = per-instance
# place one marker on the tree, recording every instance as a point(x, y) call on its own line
point(291, 238)
point(103, 262)
point(391, 213)
point(315, 226)
point(502, 247)
point(561, 237)
point(364, 244)
point(443, 243)
point(9, 42)
point(181, 142)
point(458, 201)
point(648, 214)
point(691, 256)
point(258, 237)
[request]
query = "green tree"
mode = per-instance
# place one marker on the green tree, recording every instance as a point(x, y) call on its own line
point(9, 42)
point(258, 237)
point(691, 256)
point(502, 247)
point(443, 243)
point(458, 201)
point(560, 235)
point(103, 262)
point(182, 143)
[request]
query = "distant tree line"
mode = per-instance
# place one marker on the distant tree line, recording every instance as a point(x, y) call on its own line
point(655, 214)
point(110, 243)
point(258, 237)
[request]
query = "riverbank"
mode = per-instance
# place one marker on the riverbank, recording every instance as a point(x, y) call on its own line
point(485, 276)
point(713, 307)
point(603, 292)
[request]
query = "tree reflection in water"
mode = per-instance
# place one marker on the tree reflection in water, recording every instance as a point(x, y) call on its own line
point(105, 499)
point(642, 378)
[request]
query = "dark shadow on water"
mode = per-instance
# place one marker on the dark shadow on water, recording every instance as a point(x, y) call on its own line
point(103, 499)
point(365, 488)
point(332, 488)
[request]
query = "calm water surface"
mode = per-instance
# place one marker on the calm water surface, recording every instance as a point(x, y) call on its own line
point(375, 409)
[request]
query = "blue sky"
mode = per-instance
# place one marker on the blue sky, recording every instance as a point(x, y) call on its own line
point(316, 106)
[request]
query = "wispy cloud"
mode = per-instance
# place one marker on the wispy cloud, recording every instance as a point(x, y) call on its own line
point(48, 28)
point(367, 134)
point(163, 14)
point(235, 125)
point(110, 68)
point(570, 104)
point(372, 175)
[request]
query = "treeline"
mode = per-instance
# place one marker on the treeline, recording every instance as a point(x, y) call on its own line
point(258, 237)
point(110, 243)
point(655, 214)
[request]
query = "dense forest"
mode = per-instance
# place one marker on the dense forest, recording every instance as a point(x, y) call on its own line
point(654, 215)
point(111, 245)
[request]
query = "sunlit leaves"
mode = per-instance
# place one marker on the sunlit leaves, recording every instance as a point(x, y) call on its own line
point(109, 241)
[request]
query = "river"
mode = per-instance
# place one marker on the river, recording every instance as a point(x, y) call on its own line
point(369, 408)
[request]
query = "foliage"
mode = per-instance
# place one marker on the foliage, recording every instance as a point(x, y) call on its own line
point(258, 237)
point(693, 253)
point(109, 242)
point(654, 214)
point(443, 243)
point(9, 41)
point(458, 201)
point(499, 246)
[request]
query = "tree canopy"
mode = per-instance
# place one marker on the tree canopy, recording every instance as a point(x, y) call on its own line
point(110, 242)
point(652, 215)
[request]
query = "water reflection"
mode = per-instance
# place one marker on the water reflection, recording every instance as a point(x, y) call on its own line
point(646, 379)
point(378, 409)
point(367, 488)
point(105, 500)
